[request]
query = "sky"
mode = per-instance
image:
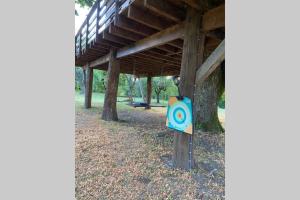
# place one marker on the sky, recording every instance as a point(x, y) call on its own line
point(82, 13)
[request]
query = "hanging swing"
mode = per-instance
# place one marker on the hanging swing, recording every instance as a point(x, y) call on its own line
point(162, 81)
point(133, 103)
point(162, 84)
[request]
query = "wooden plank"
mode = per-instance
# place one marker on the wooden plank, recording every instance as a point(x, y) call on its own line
point(147, 18)
point(193, 3)
point(128, 24)
point(165, 9)
point(135, 37)
point(214, 18)
point(151, 53)
point(137, 30)
point(124, 33)
point(154, 40)
point(211, 63)
point(113, 38)
point(212, 43)
point(100, 61)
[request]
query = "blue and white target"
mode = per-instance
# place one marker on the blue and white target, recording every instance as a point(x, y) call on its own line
point(179, 115)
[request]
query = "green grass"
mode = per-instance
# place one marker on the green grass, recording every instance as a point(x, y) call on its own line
point(98, 98)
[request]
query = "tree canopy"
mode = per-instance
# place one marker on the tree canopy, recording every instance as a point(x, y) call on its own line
point(85, 3)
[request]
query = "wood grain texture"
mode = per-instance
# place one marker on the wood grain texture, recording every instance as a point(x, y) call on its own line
point(211, 63)
point(189, 64)
point(109, 112)
point(88, 87)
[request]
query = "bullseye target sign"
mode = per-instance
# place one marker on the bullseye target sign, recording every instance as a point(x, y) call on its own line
point(179, 114)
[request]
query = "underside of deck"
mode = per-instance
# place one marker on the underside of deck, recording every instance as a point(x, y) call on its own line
point(146, 34)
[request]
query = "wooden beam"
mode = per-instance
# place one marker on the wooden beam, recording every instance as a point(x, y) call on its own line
point(128, 24)
point(193, 3)
point(154, 40)
point(120, 40)
point(165, 9)
point(214, 18)
point(147, 18)
point(211, 63)
point(124, 33)
point(138, 28)
point(128, 34)
point(100, 61)
point(211, 44)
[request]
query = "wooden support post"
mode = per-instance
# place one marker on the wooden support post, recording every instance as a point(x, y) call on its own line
point(189, 63)
point(83, 80)
point(88, 87)
point(149, 91)
point(110, 102)
point(211, 63)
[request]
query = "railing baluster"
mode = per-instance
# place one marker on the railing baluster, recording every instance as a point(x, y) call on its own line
point(117, 7)
point(80, 43)
point(104, 16)
point(97, 18)
point(87, 32)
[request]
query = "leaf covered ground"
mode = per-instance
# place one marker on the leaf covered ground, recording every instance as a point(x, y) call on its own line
point(130, 159)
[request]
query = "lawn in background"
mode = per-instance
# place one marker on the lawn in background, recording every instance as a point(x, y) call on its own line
point(98, 100)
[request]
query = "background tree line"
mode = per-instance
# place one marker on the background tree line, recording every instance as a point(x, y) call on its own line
point(162, 87)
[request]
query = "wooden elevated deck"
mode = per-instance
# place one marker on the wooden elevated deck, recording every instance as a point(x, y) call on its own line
point(147, 35)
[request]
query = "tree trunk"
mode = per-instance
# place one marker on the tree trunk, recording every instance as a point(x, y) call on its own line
point(88, 88)
point(141, 90)
point(149, 91)
point(83, 82)
point(110, 102)
point(182, 157)
point(206, 101)
point(131, 84)
point(157, 97)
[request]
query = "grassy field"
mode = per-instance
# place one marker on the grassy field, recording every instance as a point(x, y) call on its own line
point(98, 100)
point(130, 159)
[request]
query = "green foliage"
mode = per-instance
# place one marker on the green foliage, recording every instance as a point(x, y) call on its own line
point(164, 86)
point(85, 3)
point(78, 79)
point(123, 88)
point(222, 101)
point(99, 80)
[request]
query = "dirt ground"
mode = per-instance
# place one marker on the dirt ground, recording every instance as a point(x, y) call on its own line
point(130, 159)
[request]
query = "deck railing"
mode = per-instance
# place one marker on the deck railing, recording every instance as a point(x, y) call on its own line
point(99, 17)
